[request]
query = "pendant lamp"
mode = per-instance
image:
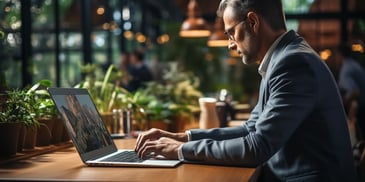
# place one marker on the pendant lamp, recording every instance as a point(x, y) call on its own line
point(194, 26)
point(218, 38)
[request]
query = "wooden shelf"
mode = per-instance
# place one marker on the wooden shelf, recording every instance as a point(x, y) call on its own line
point(28, 153)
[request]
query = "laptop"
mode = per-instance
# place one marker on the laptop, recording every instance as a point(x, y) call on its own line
point(89, 134)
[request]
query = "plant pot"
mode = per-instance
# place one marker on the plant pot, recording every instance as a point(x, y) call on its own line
point(158, 124)
point(44, 134)
point(65, 136)
point(57, 131)
point(108, 120)
point(179, 123)
point(3, 98)
point(9, 138)
point(21, 139)
point(30, 137)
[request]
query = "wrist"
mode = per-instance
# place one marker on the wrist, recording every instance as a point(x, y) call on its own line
point(180, 153)
point(182, 137)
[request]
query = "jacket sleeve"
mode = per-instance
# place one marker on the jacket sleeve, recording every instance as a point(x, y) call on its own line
point(227, 132)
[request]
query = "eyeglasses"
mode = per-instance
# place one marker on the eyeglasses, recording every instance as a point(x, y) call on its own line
point(229, 31)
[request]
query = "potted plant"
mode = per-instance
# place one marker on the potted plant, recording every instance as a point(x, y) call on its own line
point(16, 112)
point(175, 100)
point(51, 129)
point(136, 103)
point(104, 90)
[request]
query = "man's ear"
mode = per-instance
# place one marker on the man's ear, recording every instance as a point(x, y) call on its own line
point(253, 21)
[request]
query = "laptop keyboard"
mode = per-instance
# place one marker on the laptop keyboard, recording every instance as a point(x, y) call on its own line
point(125, 156)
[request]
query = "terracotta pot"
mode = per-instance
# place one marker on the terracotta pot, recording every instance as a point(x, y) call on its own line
point(44, 134)
point(57, 131)
point(9, 138)
point(158, 124)
point(179, 123)
point(30, 137)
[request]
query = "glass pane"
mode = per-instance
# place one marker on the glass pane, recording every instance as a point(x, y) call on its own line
point(320, 34)
point(71, 40)
point(292, 24)
point(304, 6)
point(13, 78)
point(43, 41)
point(100, 58)
point(42, 14)
point(10, 42)
point(71, 62)
point(297, 6)
point(44, 66)
point(100, 39)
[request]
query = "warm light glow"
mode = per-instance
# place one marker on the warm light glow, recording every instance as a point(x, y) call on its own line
point(194, 33)
point(233, 53)
point(7, 9)
point(218, 38)
point(217, 43)
point(128, 35)
point(140, 37)
point(357, 48)
point(163, 39)
point(231, 61)
point(100, 11)
point(106, 26)
point(325, 54)
point(113, 26)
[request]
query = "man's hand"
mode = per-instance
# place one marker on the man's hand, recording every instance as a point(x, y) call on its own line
point(159, 142)
point(166, 147)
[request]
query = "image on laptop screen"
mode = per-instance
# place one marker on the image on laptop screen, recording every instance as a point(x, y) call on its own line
point(83, 122)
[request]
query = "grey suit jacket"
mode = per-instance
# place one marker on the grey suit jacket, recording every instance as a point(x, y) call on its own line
point(298, 129)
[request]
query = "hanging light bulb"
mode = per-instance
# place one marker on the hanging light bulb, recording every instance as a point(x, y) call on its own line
point(218, 38)
point(194, 26)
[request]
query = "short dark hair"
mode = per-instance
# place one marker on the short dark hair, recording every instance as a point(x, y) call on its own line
point(139, 54)
point(270, 10)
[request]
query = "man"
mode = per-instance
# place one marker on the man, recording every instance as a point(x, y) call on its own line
point(296, 132)
point(138, 71)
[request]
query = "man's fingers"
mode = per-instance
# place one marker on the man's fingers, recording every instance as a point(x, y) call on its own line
point(148, 148)
point(151, 134)
point(139, 142)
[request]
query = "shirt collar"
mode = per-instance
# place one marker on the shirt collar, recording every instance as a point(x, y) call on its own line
point(265, 62)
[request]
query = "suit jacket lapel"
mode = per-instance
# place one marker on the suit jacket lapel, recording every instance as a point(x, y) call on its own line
point(274, 58)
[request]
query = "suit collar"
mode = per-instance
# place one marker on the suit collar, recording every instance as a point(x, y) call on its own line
point(266, 60)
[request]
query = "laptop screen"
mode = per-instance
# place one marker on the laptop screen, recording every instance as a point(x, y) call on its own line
point(82, 121)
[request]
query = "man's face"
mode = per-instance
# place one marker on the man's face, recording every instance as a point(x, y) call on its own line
point(240, 35)
point(133, 59)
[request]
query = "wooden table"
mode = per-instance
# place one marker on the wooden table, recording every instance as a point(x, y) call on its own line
point(65, 165)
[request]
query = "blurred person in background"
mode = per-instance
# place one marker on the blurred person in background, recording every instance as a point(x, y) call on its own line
point(351, 81)
point(138, 72)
